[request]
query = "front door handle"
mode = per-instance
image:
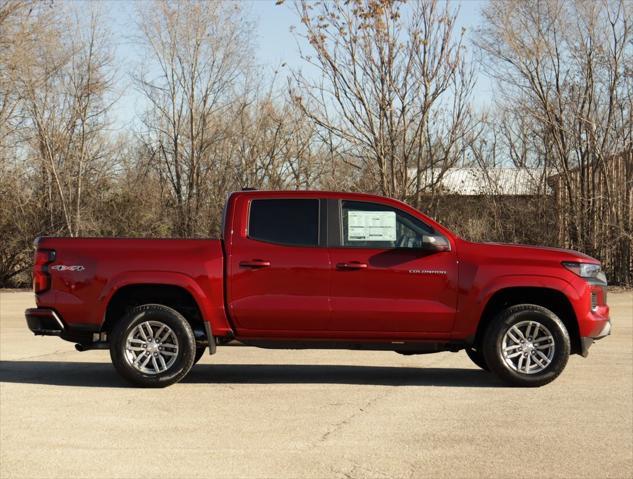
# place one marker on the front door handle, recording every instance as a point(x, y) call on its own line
point(352, 265)
point(255, 263)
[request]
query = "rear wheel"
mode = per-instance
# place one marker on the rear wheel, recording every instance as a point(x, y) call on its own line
point(526, 345)
point(153, 346)
point(477, 357)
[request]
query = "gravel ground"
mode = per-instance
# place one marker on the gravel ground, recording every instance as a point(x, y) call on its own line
point(249, 412)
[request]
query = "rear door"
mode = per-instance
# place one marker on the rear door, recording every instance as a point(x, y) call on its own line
point(278, 269)
point(384, 281)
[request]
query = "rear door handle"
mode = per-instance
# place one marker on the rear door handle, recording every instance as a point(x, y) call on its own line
point(352, 265)
point(256, 263)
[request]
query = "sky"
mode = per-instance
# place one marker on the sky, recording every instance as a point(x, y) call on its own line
point(275, 45)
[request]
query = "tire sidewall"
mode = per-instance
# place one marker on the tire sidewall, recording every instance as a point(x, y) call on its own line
point(199, 353)
point(477, 357)
point(180, 327)
point(507, 319)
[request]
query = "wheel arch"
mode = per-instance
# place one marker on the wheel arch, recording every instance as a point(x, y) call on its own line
point(173, 296)
point(550, 298)
point(207, 298)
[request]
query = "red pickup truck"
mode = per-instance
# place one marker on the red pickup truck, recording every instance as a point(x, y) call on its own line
point(318, 269)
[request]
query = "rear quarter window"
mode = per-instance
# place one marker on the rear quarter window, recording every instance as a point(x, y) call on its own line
point(293, 222)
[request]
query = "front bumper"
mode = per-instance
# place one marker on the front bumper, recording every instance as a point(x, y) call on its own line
point(44, 322)
point(587, 341)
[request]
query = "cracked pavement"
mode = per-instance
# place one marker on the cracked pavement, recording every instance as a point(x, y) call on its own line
point(249, 412)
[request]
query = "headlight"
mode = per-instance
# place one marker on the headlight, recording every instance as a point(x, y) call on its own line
point(586, 270)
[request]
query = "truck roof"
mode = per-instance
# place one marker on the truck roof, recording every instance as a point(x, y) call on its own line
point(310, 193)
point(330, 195)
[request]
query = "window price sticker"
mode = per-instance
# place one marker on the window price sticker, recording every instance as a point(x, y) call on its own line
point(371, 225)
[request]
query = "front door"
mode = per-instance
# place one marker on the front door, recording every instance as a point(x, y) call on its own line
point(384, 281)
point(278, 273)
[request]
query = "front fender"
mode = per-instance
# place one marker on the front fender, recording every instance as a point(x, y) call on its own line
point(472, 304)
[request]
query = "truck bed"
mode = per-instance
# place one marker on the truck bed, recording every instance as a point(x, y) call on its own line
point(89, 271)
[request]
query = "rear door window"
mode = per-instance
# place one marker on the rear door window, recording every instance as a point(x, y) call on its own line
point(293, 222)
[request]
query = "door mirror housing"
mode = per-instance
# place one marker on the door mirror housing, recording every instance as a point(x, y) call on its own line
point(435, 242)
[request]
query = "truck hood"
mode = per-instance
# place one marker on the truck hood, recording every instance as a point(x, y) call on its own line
point(535, 252)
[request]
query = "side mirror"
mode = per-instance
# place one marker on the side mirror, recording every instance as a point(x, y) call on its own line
point(435, 243)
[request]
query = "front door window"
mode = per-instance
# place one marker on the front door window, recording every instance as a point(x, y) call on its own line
point(372, 225)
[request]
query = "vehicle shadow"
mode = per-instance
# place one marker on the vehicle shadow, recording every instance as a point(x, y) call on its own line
point(86, 374)
point(339, 374)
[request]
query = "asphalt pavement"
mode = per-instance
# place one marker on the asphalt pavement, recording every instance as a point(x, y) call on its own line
point(248, 412)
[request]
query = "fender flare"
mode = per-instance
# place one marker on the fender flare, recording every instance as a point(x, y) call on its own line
point(526, 281)
point(475, 304)
point(166, 278)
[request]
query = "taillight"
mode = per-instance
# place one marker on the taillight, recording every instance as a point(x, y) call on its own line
point(41, 278)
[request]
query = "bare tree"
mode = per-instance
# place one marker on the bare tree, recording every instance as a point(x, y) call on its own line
point(565, 66)
point(23, 25)
point(275, 145)
point(197, 55)
point(15, 31)
point(64, 88)
point(383, 106)
point(391, 88)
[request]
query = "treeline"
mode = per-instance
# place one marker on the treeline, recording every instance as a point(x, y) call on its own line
point(384, 104)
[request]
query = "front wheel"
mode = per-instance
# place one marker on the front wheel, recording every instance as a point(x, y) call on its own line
point(153, 346)
point(526, 345)
point(477, 357)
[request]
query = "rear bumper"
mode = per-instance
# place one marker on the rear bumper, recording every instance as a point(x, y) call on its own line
point(44, 322)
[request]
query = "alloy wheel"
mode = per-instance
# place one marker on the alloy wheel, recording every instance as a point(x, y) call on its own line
point(528, 347)
point(151, 347)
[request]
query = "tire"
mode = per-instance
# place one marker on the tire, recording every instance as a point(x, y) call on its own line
point(477, 357)
point(199, 353)
point(526, 363)
point(153, 361)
